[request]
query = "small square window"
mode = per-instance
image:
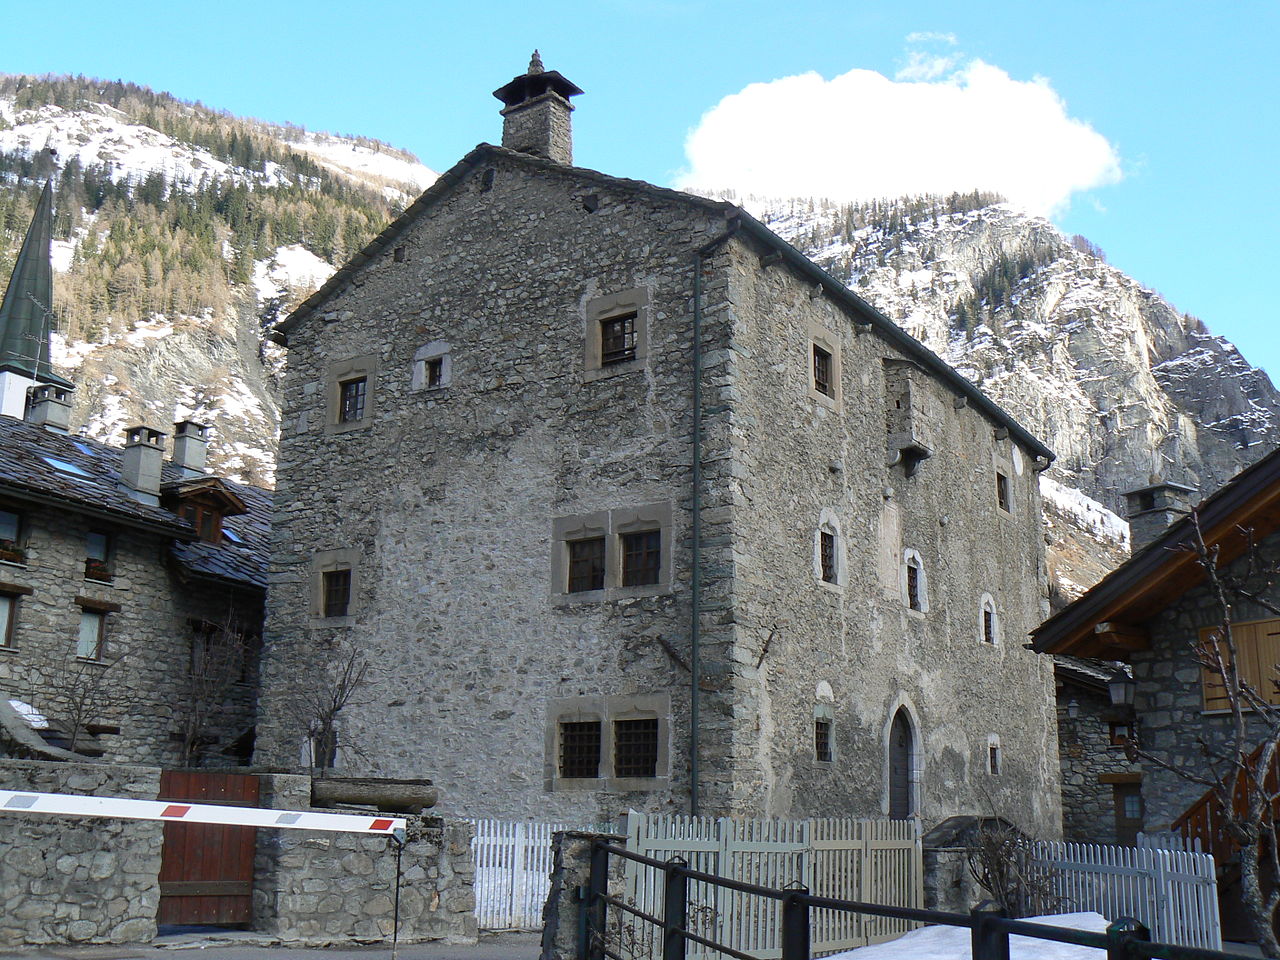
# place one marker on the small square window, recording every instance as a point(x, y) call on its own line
point(586, 564)
point(1120, 734)
point(1003, 500)
point(8, 617)
point(635, 748)
point(822, 740)
point(822, 380)
point(641, 558)
point(351, 397)
point(617, 339)
point(827, 555)
point(89, 643)
point(580, 749)
point(398, 256)
point(337, 592)
point(434, 372)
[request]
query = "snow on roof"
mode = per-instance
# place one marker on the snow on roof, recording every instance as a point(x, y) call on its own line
point(955, 943)
point(35, 719)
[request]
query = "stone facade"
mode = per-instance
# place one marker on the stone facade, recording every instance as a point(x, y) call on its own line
point(460, 502)
point(78, 881)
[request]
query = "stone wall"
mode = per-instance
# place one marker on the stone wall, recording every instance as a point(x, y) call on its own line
point(147, 647)
point(321, 887)
point(1088, 758)
point(79, 881)
point(570, 872)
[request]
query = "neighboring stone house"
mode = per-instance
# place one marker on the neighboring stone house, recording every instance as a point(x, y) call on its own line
point(1152, 610)
point(547, 415)
point(131, 589)
point(1101, 785)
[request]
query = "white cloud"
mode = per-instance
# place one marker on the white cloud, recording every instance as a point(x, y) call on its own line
point(938, 128)
point(931, 36)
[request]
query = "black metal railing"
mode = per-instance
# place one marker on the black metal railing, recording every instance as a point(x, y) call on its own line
point(990, 928)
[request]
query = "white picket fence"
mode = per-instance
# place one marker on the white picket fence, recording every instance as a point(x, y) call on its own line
point(513, 872)
point(876, 861)
point(1173, 892)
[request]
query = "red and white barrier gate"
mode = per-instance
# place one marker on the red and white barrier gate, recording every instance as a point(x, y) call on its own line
point(174, 811)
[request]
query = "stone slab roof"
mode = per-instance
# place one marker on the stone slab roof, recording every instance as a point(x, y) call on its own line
point(736, 218)
point(83, 475)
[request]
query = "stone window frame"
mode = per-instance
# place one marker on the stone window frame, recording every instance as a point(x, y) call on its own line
point(987, 603)
point(824, 712)
point(331, 561)
point(344, 371)
point(829, 523)
point(435, 350)
point(637, 301)
point(606, 710)
point(828, 341)
point(611, 525)
point(911, 557)
point(995, 756)
point(1002, 468)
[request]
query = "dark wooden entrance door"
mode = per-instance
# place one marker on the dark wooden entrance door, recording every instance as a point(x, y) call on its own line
point(901, 750)
point(206, 870)
point(1128, 800)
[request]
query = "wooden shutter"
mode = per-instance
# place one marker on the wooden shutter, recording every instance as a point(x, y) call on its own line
point(1258, 649)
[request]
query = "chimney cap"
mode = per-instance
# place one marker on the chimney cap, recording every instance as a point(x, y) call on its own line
point(535, 83)
point(1161, 485)
point(191, 428)
point(144, 434)
point(50, 391)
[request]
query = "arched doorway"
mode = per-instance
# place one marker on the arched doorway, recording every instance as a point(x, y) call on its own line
point(901, 766)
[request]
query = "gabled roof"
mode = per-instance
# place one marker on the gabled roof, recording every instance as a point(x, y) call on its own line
point(861, 311)
point(82, 475)
point(1119, 605)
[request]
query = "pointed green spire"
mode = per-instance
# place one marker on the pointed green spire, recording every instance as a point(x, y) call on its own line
point(26, 314)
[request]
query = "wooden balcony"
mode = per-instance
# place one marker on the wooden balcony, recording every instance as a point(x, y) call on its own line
point(1204, 820)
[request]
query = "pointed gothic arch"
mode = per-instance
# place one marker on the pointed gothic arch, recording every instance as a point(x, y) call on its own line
point(902, 762)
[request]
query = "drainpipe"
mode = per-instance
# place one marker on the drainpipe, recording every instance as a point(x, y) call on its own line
point(695, 583)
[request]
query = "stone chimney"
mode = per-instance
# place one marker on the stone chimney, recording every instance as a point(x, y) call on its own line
point(143, 456)
point(535, 115)
point(190, 445)
point(50, 408)
point(1152, 509)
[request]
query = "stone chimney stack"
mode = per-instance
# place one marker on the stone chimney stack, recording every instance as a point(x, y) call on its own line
point(143, 456)
point(190, 446)
point(50, 408)
point(535, 115)
point(1152, 509)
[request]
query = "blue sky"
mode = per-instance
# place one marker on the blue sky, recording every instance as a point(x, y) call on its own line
point(1161, 148)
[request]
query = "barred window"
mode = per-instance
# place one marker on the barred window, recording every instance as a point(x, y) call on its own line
point(337, 592)
point(913, 585)
point(988, 625)
point(351, 396)
point(618, 339)
point(822, 381)
point(827, 555)
point(586, 564)
point(641, 558)
point(822, 740)
point(635, 748)
point(580, 749)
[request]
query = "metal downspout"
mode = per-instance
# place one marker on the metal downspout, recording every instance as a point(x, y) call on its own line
point(695, 581)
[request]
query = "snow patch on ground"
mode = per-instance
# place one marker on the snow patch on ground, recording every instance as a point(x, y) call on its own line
point(347, 156)
point(291, 268)
point(955, 943)
point(35, 719)
point(1088, 512)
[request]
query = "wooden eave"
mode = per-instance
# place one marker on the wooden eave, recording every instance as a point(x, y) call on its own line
point(1109, 621)
point(209, 490)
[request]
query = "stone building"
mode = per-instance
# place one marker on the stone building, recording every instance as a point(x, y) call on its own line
point(628, 503)
point(1153, 610)
point(131, 587)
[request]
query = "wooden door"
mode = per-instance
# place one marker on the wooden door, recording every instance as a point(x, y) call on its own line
point(1129, 813)
point(901, 750)
point(206, 870)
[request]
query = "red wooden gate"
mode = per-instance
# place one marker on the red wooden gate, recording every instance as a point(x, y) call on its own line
point(206, 870)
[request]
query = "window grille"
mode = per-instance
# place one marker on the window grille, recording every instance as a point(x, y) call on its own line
point(635, 748)
point(580, 749)
point(641, 558)
point(351, 394)
point(913, 585)
point(586, 564)
point(993, 759)
point(337, 592)
point(822, 740)
point(822, 372)
point(827, 555)
point(617, 339)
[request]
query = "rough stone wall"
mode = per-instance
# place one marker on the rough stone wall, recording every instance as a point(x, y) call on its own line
point(1169, 700)
point(147, 648)
point(541, 127)
point(79, 881)
point(321, 887)
point(806, 462)
point(449, 495)
point(1084, 745)
point(571, 871)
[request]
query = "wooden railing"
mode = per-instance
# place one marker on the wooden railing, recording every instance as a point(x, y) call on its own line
point(1205, 819)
